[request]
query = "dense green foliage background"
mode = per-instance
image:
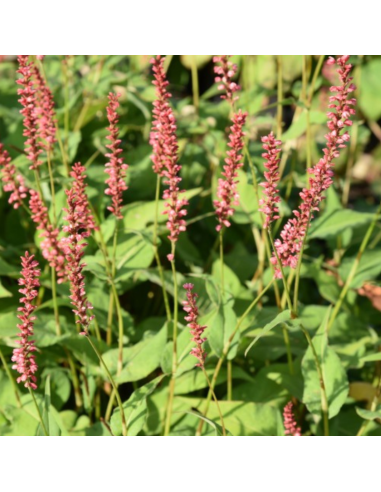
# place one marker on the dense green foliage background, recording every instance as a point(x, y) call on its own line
point(262, 383)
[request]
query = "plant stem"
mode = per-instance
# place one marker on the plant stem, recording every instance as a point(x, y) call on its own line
point(10, 377)
point(299, 268)
point(222, 265)
point(195, 83)
point(76, 385)
point(227, 349)
point(354, 269)
point(55, 303)
point(216, 401)
point(156, 250)
point(39, 413)
point(280, 96)
point(113, 384)
point(323, 392)
point(282, 272)
point(175, 333)
point(52, 190)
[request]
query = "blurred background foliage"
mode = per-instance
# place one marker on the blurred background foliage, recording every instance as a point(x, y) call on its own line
point(262, 383)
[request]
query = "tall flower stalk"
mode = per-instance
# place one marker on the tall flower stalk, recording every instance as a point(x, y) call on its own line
point(227, 194)
point(117, 171)
point(293, 236)
point(24, 358)
point(28, 100)
point(197, 332)
point(77, 230)
point(166, 165)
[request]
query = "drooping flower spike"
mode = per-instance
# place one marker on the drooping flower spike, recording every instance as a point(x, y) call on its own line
point(227, 187)
point(23, 357)
point(40, 57)
point(341, 110)
point(77, 231)
point(270, 204)
point(165, 156)
point(28, 101)
point(290, 425)
point(197, 331)
point(13, 182)
point(226, 70)
point(53, 249)
point(115, 167)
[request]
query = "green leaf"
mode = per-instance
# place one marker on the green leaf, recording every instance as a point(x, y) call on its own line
point(217, 428)
point(369, 268)
point(372, 358)
point(334, 224)
point(221, 328)
point(367, 415)
point(140, 360)
point(299, 128)
point(280, 319)
point(370, 97)
point(4, 292)
point(135, 410)
point(334, 376)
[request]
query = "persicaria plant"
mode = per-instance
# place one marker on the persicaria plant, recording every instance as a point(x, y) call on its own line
point(226, 281)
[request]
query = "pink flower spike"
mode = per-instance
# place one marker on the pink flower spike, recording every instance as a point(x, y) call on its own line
point(13, 182)
point(77, 231)
point(40, 57)
point(290, 425)
point(341, 106)
point(79, 189)
point(165, 157)
point(225, 71)
point(115, 167)
point(197, 331)
point(45, 111)
point(270, 204)
point(23, 357)
point(28, 101)
point(53, 249)
point(227, 187)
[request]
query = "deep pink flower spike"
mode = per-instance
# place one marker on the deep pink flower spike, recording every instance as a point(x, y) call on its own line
point(197, 331)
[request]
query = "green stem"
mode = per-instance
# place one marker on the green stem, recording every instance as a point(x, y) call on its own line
point(282, 272)
point(76, 385)
point(39, 413)
point(216, 401)
point(195, 83)
point(52, 190)
point(175, 355)
point(156, 250)
point(354, 269)
point(280, 96)
point(55, 303)
point(226, 350)
point(113, 384)
point(10, 377)
point(323, 391)
point(299, 268)
point(222, 265)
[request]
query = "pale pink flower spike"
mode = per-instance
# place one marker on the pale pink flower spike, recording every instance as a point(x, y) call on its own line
point(270, 204)
point(227, 187)
point(197, 331)
point(290, 425)
point(341, 109)
point(23, 357)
